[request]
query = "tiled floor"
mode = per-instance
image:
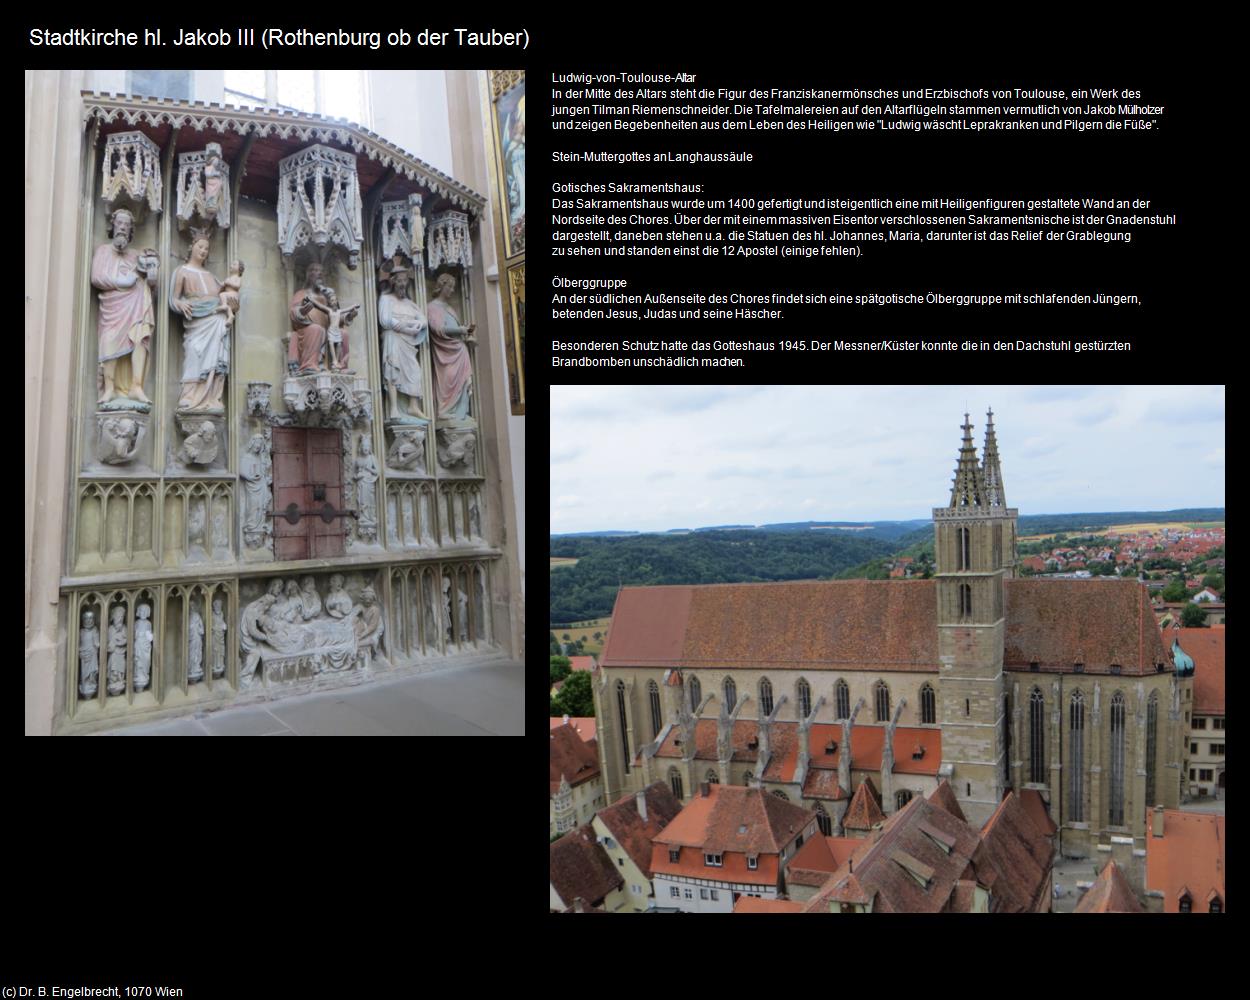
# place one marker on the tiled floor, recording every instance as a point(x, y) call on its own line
point(482, 700)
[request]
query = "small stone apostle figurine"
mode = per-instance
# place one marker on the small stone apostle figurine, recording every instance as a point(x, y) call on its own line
point(195, 647)
point(366, 476)
point(88, 655)
point(143, 647)
point(229, 294)
point(212, 183)
point(310, 600)
point(369, 623)
point(117, 652)
point(464, 614)
point(338, 601)
point(219, 639)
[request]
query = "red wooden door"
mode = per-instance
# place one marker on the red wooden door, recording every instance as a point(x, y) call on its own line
point(304, 462)
point(325, 467)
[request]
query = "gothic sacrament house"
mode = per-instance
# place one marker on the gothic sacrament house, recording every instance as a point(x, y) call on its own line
point(992, 682)
point(286, 464)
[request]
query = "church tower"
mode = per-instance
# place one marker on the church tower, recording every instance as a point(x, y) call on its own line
point(974, 551)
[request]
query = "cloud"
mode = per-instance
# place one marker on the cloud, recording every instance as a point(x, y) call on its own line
point(737, 472)
point(655, 477)
point(1050, 393)
point(566, 454)
point(568, 500)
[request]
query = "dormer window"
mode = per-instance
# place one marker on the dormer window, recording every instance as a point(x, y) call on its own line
point(918, 753)
point(1186, 904)
point(1033, 667)
point(1078, 668)
point(674, 854)
point(713, 860)
point(753, 862)
point(1115, 668)
point(831, 747)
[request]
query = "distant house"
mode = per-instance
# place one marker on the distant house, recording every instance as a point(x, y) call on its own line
point(728, 842)
point(576, 786)
point(582, 875)
point(626, 829)
point(1205, 594)
point(1036, 563)
point(1185, 862)
point(1205, 646)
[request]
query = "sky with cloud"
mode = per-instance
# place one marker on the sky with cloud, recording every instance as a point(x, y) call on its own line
point(650, 458)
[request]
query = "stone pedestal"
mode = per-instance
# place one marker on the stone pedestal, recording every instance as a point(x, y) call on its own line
point(456, 442)
point(406, 446)
point(327, 397)
point(200, 444)
point(120, 432)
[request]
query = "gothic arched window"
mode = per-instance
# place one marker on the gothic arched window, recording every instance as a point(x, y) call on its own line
point(1116, 817)
point(823, 820)
point(1037, 737)
point(766, 698)
point(805, 698)
point(1076, 757)
point(674, 780)
point(843, 693)
point(881, 695)
point(653, 693)
point(965, 549)
point(620, 704)
point(1152, 733)
point(928, 705)
point(731, 694)
point(965, 600)
point(696, 693)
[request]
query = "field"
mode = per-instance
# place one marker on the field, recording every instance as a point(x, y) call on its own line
point(1161, 525)
point(562, 562)
point(586, 630)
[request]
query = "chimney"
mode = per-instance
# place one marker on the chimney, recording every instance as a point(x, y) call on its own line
point(579, 905)
point(1157, 823)
point(566, 720)
point(705, 789)
point(641, 799)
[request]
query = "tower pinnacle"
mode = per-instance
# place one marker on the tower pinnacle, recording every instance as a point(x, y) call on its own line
point(992, 472)
point(969, 483)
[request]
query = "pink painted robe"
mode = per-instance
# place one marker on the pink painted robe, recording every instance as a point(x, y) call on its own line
point(126, 316)
point(452, 369)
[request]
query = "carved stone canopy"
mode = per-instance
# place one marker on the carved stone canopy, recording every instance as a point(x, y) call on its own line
point(403, 227)
point(449, 242)
point(132, 173)
point(203, 194)
point(319, 204)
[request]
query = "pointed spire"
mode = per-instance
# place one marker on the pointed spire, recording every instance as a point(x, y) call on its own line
point(993, 473)
point(969, 488)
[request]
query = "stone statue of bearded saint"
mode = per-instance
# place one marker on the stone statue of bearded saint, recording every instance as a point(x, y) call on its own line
point(125, 280)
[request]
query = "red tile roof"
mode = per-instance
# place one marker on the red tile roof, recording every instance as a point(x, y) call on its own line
point(580, 867)
point(1206, 647)
point(715, 822)
point(924, 843)
point(572, 757)
point(582, 662)
point(944, 798)
point(754, 904)
point(864, 812)
point(819, 858)
point(867, 743)
point(1111, 893)
point(585, 726)
point(628, 828)
point(877, 624)
point(1035, 806)
point(1189, 856)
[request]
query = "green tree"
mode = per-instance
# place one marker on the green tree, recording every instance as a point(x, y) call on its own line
point(555, 645)
point(575, 698)
point(560, 668)
point(1175, 591)
point(1193, 616)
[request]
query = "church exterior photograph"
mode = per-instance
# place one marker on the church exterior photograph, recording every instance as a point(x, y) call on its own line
point(850, 698)
point(274, 394)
